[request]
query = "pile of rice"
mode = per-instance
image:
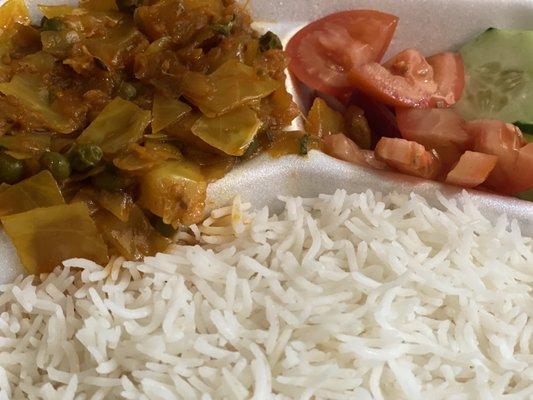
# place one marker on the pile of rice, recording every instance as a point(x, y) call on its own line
point(342, 296)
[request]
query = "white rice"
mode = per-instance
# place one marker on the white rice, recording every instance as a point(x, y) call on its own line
point(358, 296)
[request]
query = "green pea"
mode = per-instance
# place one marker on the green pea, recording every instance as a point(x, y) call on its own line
point(11, 169)
point(57, 164)
point(269, 41)
point(84, 157)
point(110, 181)
point(127, 91)
point(52, 24)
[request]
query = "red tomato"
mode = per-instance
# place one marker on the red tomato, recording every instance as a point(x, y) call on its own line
point(440, 129)
point(408, 157)
point(449, 74)
point(343, 148)
point(322, 52)
point(406, 80)
point(514, 171)
point(472, 169)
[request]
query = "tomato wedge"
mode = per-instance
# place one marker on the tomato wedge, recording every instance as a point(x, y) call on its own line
point(440, 129)
point(406, 80)
point(514, 171)
point(322, 52)
point(343, 148)
point(449, 74)
point(408, 157)
point(472, 169)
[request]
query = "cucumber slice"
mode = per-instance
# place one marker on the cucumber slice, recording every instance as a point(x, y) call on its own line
point(499, 76)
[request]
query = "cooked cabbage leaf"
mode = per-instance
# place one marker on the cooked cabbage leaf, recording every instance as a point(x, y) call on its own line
point(13, 12)
point(31, 93)
point(166, 111)
point(40, 190)
point(231, 86)
point(174, 191)
point(26, 143)
point(232, 132)
point(141, 158)
point(44, 237)
point(118, 203)
point(55, 11)
point(99, 5)
point(121, 122)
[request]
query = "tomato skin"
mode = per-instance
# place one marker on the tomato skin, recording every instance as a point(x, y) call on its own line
point(343, 148)
point(323, 51)
point(472, 169)
point(440, 129)
point(408, 157)
point(449, 74)
point(406, 80)
point(514, 171)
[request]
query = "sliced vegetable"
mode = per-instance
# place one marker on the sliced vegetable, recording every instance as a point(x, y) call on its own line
point(44, 237)
point(99, 5)
point(440, 129)
point(357, 127)
point(231, 86)
point(121, 122)
point(31, 93)
point(11, 169)
point(408, 157)
point(499, 72)
point(55, 11)
point(174, 191)
point(57, 164)
point(83, 156)
point(141, 158)
point(26, 143)
point(406, 80)
point(449, 74)
point(133, 238)
point(322, 52)
point(13, 12)
point(40, 190)
point(472, 169)
point(167, 111)
point(322, 120)
point(343, 148)
point(120, 204)
point(232, 133)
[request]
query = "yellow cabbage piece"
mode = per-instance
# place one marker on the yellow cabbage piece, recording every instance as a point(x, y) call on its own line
point(231, 86)
point(215, 7)
point(44, 237)
point(26, 143)
point(141, 158)
point(13, 12)
point(30, 92)
point(99, 5)
point(232, 132)
point(322, 120)
point(174, 191)
point(55, 11)
point(120, 123)
point(40, 190)
point(167, 111)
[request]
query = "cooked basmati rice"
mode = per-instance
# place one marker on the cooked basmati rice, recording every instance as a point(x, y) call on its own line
point(342, 296)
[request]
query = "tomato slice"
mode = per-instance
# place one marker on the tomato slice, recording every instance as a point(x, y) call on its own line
point(406, 80)
point(408, 157)
point(343, 148)
point(449, 74)
point(440, 129)
point(472, 169)
point(514, 171)
point(322, 52)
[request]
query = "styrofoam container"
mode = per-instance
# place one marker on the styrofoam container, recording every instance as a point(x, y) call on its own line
point(428, 25)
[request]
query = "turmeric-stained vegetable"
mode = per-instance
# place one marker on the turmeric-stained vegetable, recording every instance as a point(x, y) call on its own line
point(13, 12)
point(40, 190)
point(232, 132)
point(121, 122)
point(11, 169)
point(99, 5)
point(322, 120)
point(30, 92)
point(166, 111)
point(141, 158)
point(357, 127)
point(46, 236)
point(231, 86)
point(119, 204)
point(55, 11)
point(133, 238)
point(174, 191)
point(26, 143)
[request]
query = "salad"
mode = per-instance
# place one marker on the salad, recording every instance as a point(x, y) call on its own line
point(460, 117)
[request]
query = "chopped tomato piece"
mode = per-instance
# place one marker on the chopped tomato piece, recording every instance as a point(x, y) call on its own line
point(408, 157)
point(406, 80)
point(449, 74)
point(322, 52)
point(472, 169)
point(514, 171)
point(343, 148)
point(440, 129)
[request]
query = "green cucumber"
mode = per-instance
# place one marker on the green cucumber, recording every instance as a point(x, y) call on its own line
point(499, 77)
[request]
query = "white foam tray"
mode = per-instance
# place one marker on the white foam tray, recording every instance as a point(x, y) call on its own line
point(429, 25)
